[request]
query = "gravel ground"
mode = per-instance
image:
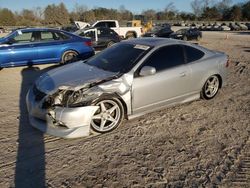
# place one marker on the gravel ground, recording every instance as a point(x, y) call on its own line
point(198, 144)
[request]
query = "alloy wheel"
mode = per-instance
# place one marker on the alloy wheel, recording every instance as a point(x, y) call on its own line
point(211, 87)
point(107, 117)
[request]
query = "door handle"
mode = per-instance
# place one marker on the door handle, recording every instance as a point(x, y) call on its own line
point(182, 74)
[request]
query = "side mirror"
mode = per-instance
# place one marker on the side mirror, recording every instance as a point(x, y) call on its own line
point(147, 71)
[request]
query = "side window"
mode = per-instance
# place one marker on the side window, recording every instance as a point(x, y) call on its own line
point(166, 57)
point(111, 24)
point(60, 36)
point(103, 32)
point(90, 34)
point(100, 24)
point(46, 36)
point(193, 54)
point(24, 37)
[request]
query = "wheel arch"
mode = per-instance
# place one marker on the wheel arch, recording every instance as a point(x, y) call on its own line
point(117, 96)
point(211, 73)
point(220, 80)
point(67, 50)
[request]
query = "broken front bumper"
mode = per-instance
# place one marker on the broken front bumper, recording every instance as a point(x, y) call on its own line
point(61, 121)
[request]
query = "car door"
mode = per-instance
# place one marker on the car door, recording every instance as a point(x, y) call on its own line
point(103, 36)
point(92, 33)
point(21, 49)
point(169, 84)
point(50, 46)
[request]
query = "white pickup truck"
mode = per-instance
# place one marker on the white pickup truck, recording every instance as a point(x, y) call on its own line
point(125, 32)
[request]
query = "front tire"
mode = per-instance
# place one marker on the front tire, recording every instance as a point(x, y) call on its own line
point(109, 115)
point(211, 87)
point(69, 57)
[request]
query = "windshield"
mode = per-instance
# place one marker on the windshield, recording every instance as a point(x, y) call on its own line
point(119, 58)
point(9, 34)
point(156, 29)
point(181, 31)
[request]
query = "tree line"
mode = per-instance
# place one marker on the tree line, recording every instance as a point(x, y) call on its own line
point(57, 15)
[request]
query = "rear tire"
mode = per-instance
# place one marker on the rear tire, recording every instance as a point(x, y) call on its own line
point(210, 88)
point(69, 57)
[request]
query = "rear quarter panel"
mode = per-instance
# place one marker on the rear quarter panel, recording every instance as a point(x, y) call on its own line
point(206, 67)
point(78, 46)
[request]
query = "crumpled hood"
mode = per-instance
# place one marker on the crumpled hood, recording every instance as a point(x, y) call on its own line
point(73, 75)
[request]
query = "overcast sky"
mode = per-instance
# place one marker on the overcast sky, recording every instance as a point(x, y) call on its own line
point(136, 6)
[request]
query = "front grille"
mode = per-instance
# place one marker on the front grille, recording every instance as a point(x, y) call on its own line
point(39, 95)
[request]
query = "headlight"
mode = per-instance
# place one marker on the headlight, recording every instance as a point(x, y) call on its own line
point(81, 97)
point(73, 97)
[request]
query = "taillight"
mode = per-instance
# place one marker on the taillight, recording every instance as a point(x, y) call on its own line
point(88, 43)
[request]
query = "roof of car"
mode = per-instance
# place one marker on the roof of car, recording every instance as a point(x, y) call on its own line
point(151, 41)
point(38, 29)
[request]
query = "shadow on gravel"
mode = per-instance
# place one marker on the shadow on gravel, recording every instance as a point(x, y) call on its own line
point(30, 163)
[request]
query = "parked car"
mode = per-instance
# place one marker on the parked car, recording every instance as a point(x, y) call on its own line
point(242, 26)
point(234, 27)
point(248, 25)
point(124, 32)
point(102, 37)
point(225, 28)
point(216, 27)
point(125, 80)
point(41, 45)
point(187, 34)
point(159, 31)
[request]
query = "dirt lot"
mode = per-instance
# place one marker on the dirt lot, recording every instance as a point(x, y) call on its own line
point(199, 144)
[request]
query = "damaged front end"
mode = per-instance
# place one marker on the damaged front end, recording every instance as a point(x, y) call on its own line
point(69, 110)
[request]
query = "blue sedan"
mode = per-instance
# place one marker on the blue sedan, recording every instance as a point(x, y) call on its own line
point(42, 45)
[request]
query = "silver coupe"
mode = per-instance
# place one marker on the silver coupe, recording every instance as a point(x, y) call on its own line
point(127, 80)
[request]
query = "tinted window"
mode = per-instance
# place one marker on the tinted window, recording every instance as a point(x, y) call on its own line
point(100, 24)
point(166, 57)
point(193, 54)
point(111, 24)
point(119, 58)
point(103, 32)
